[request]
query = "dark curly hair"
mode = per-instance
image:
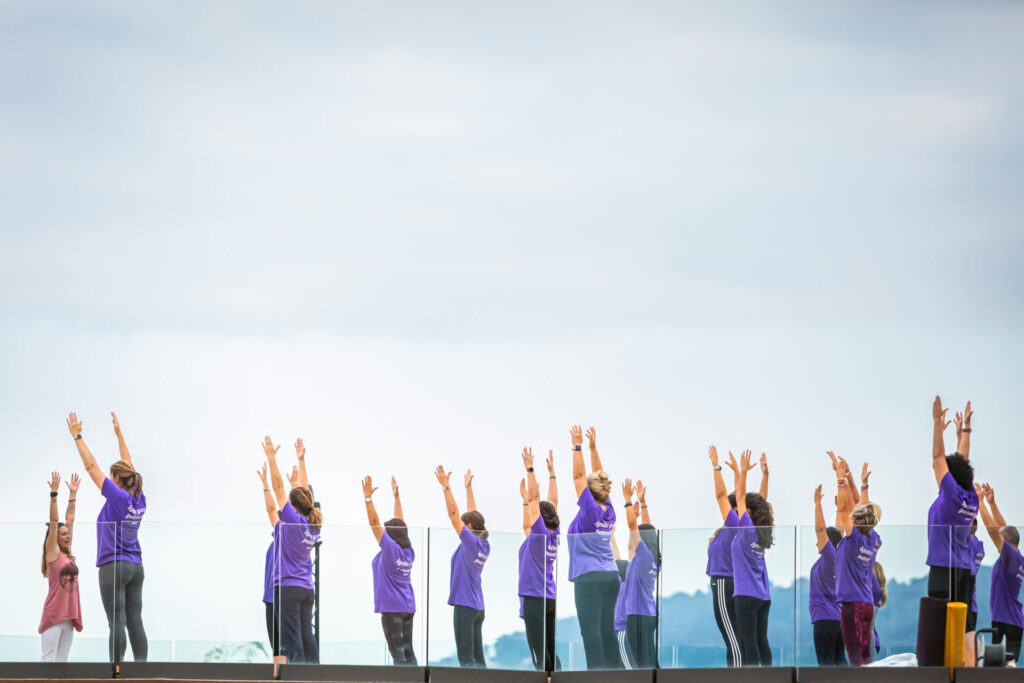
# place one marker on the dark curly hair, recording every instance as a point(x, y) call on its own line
point(962, 471)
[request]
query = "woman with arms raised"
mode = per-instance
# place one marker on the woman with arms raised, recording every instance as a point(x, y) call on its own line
point(465, 593)
point(537, 563)
point(1007, 575)
point(269, 569)
point(636, 611)
point(118, 553)
point(62, 611)
point(752, 594)
point(824, 608)
point(297, 535)
point(393, 597)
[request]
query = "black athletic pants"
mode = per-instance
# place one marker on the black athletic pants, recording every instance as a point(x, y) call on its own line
point(297, 641)
point(641, 637)
point(273, 628)
point(595, 594)
point(469, 639)
point(398, 634)
point(752, 621)
point(828, 643)
point(725, 617)
point(539, 619)
point(1012, 634)
point(121, 592)
point(951, 583)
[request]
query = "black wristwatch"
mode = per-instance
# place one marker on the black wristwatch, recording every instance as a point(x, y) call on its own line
point(78, 436)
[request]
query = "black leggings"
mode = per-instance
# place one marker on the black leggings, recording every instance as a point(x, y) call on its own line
point(595, 594)
point(121, 592)
point(539, 618)
point(398, 633)
point(1012, 634)
point(951, 583)
point(273, 628)
point(640, 635)
point(297, 641)
point(752, 623)
point(469, 639)
point(828, 643)
point(725, 617)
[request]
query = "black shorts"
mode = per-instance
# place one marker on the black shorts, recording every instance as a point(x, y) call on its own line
point(972, 621)
point(950, 583)
point(273, 628)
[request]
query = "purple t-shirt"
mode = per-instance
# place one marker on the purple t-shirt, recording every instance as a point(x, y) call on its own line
point(590, 533)
point(537, 562)
point(1007, 576)
point(750, 576)
point(822, 589)
point(117, 528)
point(636, 594)
point(720, 549)
point(392, 577)
point(855, 566)
point(268, 572)
point(978, 552)
point(949, 519)
point(295, 538)
point(467, 564)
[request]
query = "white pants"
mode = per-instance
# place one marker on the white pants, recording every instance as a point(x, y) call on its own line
point(57, 642)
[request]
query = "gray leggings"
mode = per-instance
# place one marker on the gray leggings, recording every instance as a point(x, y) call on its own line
point(121, 591)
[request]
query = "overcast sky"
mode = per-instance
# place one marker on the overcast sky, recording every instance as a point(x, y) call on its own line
point(434, 233)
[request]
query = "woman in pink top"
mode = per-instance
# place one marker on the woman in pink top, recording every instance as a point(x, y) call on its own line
point(62, 610)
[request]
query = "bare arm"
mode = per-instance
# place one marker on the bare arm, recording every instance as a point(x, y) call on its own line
point(122, 447)
point(865, 474)
point(91, 467)
point(69, 513)
point(741, 481)
point(552, 481)
point(532, 489)
point(449, 499)
point(398, 499)
point(270, 450)
point(721, 495)
point(987, 519)
point(595, 459)
point(764, 476)
point(844, 502)
point(939, 424)
point(470, 498)
point(641, 494)
point(52, 550)
point(300, 453)
point(963, 432)
point(268, 497)
point(371, 511)
point(821, 536)
point(526, 507)
point(579, 470)
point(634, 532)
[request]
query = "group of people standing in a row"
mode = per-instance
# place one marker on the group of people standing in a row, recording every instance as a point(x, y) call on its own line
point(614, 597)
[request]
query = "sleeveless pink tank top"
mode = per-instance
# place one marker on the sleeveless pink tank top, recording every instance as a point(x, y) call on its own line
point(62, 602)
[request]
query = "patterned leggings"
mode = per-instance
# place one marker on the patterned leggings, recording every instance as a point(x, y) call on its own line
point(855, 620)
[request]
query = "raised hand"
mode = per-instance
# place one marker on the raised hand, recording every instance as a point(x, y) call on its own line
point(74, 426)
point(844, 467)
point(592, 438)
point(54, 482)
point(117, 425)
point(835, 462)
point(967, 415)
point(745, 463)
point(527, 458)
point(468, 479)
point(939, 413)
point(394, 487)
point(368, 487)
point(988, 492)
point(817, 495)
point(269, 448)
point(441, 475)
point(864, 474)
point(576, 432)
point(300, 449)
point(713, 455)
point(627, 490)
point(73, 484)
point(958, 420)
point(551, 463)
point(262, 472)
point(641, 491)
point(293, 476)
point(731, 464)
point(764, 465)
point(522, 489)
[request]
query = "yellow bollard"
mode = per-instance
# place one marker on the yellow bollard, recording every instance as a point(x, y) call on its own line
point(956, 627)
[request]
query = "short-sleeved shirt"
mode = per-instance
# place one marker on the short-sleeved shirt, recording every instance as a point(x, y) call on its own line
point(855, 566)
point(392, 578)
point(468, 562)
point(949, 521)
point(268, 572)
point(296, 538)
point(1007, 576)
point(117, 525)
point(537, 562)
point(720, 548)
point(636, 595)
point(750, 576)
point(978, 552)
point(822, 588)
point(590, 533)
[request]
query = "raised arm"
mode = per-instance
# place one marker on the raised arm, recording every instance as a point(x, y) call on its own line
point(764, 476)
point(963, 432)
point(91, 467)
point(532, 490)
point(270, 450)
point(721, 495)
point(741, 481)
point(524, 494)
point(122, 447)
point(634, 532)
point(300, 453)
point(846, 490)
point(865, 474)
point(641, 494)
point(595, 459)
point(69, 513)
point(52, 549)
point(820, 535)
point(579, 470)
point(845, 500)
point(449, 499)
point(371, 511)
point(470, 498)
point(268, 497)
point(552, 481)
point(398, 499)
point(939, 424)
point(985, 493)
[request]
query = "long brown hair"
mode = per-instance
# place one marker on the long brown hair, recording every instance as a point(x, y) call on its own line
point(125, 476)
point(301, 499)
point(475, 520)
point(46, 538)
